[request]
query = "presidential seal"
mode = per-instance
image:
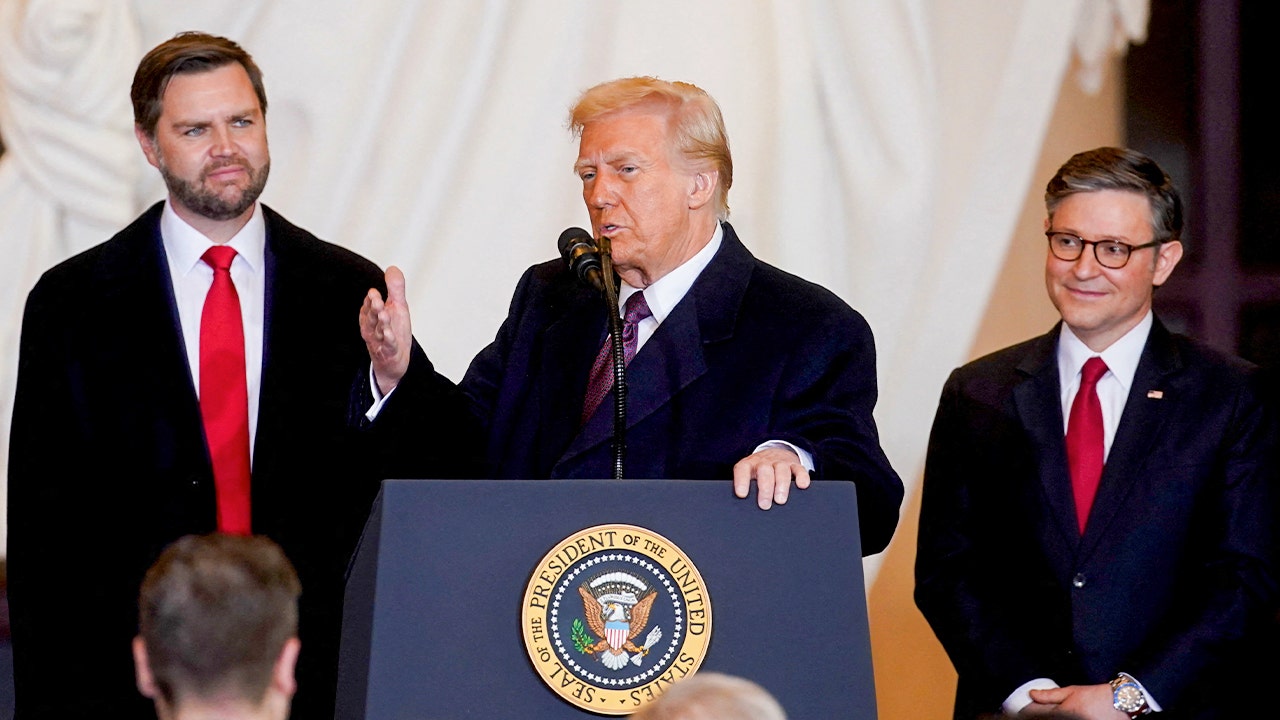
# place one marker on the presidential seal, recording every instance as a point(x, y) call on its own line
point(613, 615)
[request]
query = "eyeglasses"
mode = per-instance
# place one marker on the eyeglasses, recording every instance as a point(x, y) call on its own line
point(1109, 253)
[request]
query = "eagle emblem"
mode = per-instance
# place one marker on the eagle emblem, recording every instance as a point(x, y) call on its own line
point(617, 607)
point(635, 585)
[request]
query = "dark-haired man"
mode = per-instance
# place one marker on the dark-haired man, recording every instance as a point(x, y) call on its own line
point(191, 374)
point(1097, 535)
point(218, 630)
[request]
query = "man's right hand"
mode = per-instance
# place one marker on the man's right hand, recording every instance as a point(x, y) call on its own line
point(386, 330)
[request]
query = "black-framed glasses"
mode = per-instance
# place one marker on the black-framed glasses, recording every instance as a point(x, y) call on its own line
point(1109, 253)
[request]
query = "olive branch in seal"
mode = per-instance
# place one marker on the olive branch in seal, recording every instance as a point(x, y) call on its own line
point(581, 640)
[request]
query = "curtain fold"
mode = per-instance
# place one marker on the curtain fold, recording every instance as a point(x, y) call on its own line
point(69, 173)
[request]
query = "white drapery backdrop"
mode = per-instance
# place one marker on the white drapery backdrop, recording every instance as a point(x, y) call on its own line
point(882, 147)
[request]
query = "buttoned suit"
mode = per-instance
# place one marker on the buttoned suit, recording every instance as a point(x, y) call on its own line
point(108, 461)
point(749, 354)
point(1175, 572)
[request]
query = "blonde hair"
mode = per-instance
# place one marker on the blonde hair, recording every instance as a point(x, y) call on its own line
point(698, 125)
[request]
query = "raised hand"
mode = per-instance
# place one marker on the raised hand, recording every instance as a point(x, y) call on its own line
point(387, 331)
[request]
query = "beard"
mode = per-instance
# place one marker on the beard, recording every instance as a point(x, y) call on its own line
point(204, 201)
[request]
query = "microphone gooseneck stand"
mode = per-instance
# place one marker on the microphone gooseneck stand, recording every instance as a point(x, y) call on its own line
point(619, 359)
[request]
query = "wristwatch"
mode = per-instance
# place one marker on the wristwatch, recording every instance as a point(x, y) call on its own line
point(1127, 697)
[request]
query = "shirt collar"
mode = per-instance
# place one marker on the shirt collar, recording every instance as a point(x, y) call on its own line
point(185, 245)
point(1121, 356)
point(664, 294)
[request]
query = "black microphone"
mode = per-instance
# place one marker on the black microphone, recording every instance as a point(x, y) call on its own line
point(580, 253)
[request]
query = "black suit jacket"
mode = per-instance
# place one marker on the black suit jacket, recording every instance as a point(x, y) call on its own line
point(1176, 570)
point(749, 354)
point(108, 462)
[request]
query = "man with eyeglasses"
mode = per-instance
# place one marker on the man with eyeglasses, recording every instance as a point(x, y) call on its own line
point(1097, 533)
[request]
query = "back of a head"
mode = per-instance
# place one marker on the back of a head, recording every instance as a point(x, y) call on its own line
point(215, 612)
point(713, 696)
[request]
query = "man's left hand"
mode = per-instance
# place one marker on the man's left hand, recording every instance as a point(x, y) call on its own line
point(1088, 702)
point(773, 469)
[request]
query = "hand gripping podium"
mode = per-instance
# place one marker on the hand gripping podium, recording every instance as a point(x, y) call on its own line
point(453, 578)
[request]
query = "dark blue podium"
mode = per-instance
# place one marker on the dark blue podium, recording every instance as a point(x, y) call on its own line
point(432, 624)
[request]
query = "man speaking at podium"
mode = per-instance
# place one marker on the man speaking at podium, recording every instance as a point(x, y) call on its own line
point(740, 370)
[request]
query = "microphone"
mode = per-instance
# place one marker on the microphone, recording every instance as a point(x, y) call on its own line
point(580, 253)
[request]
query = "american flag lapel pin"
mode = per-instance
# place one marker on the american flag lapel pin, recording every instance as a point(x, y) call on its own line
point(1155, 394)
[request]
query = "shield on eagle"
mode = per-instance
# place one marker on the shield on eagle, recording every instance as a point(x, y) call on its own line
point(616, 605)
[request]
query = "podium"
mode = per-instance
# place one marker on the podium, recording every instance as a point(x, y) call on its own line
point(432, 626)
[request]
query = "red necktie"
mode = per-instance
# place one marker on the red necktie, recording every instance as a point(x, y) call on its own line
point(224, 395)
point(601, 381)
point(1085, 439)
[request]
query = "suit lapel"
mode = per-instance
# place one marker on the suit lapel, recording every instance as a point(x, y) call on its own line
point(276, 298)
point(668, 362)
point(1039, 405)
point(136, 281)
point(1139, 428)
point(138, 272)
point(287, 309)
point(673, 357)
point(570, 347)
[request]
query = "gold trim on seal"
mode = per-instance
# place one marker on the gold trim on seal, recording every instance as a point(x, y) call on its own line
point(638, 585)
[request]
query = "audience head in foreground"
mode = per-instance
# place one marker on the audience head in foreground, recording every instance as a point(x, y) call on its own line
point(218, 618)
point(713, 696)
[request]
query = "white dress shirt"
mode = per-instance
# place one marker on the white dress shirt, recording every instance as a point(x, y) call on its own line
point(192, 278)
point(667, 291)
point(1121, 357)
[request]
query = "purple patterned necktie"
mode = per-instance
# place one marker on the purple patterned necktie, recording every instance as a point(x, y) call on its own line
point(602, 370)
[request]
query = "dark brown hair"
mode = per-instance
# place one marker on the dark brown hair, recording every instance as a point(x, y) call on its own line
point(188, 52)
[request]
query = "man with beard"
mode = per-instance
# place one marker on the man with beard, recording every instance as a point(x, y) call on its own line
point(192, 374)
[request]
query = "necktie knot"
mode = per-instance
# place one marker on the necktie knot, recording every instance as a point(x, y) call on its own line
point(637, 309)
point(219, 257)
point(1093, 370)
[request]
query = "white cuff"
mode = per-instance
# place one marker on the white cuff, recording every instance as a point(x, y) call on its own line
point(1020, 698)
point(805, 458)
point(1151, 701)
point(378, 398)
